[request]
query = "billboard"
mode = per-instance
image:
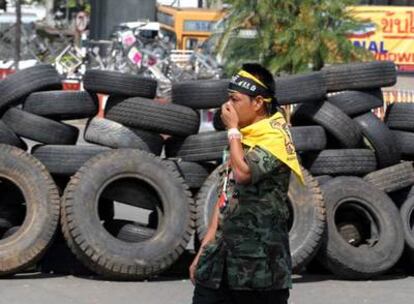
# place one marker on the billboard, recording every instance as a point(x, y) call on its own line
point(388, 33)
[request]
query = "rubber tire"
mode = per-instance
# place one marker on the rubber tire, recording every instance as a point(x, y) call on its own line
point(380, 139)
point(347, 261)
point(360, 76)
point(117, 83)
point(8, 137)
point(106, 208)
point(62, 105)
point(10, 231)
point(407, 216)
point(351, 232)
point(10, 194)
point(59, 260)
point(129, 231)
point(28, 244)
point(194, 174)
point(109, 133)
point(411, 192)
point(65, 160)
point(112, 101)
point(308, 138)
point(300, 88)
point(393, 178)
point(311, 138)
point(16, 87)
point(355, 103)
point(200, 94)
point(309, 220)
point(344, 130)
point(217, 122)
point(40, 129)
point(323, 178)
point(400, 116)
point(341, 162)
point(399, 197)
point(5, 225)
point(13, 212)
point(206, 146)
point(133, 194)
point(405, 141)
point(161, 118)
point(308, 224)
point(106, 255)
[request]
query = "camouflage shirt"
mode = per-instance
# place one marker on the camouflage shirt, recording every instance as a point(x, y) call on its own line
point(252, 242)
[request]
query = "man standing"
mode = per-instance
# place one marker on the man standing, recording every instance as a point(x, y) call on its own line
point(245, 255)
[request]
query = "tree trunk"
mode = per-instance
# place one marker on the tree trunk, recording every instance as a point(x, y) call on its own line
point(216, 4)
point(49, 4)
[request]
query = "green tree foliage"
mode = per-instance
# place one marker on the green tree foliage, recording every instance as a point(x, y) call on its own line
point(292, 35)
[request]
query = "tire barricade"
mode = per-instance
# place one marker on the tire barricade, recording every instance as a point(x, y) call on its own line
point(148, 154)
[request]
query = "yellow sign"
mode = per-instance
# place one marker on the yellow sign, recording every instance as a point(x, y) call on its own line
point(388, 33)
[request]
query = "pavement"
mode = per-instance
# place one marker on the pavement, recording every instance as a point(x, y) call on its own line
point(310, 289)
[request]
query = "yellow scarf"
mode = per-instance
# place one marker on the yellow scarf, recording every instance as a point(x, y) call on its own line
point(273, 135)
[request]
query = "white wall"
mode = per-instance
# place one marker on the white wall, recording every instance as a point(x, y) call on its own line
point(183, 3)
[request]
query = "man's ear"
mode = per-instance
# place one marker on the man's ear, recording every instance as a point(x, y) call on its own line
point(259, 103)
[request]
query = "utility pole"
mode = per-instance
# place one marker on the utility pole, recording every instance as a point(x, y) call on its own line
point(49, 4)
point(18, 34)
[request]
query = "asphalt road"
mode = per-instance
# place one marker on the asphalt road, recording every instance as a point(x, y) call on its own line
point(309, 289)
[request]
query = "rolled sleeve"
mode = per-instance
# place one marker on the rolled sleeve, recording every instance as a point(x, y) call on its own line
point(261, 163)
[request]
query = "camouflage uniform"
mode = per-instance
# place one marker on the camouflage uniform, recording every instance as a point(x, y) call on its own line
point(251, 243)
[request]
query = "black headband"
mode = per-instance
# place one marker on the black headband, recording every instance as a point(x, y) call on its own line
point(245, 83)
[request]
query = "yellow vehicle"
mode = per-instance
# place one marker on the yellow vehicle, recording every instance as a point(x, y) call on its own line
point(189, 27)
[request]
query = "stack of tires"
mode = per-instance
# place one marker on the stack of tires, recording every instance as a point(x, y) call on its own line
point(149, 157)
point(30, 204)
point(359, 166)
point(356, 231)
point(399, 118)
point(133, 175)
point(92, 176)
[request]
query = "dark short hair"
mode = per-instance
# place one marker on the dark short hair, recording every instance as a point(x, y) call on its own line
point(266, 77)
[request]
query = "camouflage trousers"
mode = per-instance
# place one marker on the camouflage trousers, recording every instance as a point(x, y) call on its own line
point(224, 295)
